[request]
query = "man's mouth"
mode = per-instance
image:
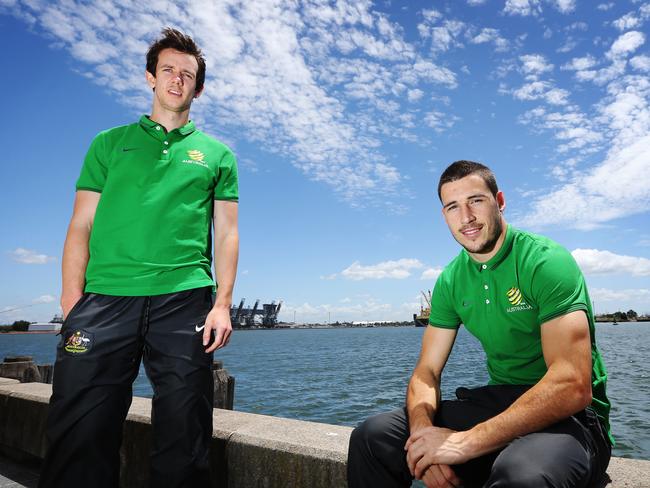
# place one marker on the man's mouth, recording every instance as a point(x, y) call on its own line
point(175, 92)
point(470, 231)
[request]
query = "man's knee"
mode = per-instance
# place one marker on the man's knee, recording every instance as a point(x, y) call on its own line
point(380, 435)
point(556, 461)
point(366, 434)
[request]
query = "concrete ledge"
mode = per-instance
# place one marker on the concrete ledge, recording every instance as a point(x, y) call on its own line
point(248, 450)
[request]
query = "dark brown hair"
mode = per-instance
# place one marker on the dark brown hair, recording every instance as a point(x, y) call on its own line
point(461, 169)
point(171, 38)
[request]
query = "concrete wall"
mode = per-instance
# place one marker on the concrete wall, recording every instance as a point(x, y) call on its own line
point(248, 450)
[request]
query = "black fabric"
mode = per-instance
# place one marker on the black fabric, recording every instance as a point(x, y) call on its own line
point(572, 453)
point(102, 343)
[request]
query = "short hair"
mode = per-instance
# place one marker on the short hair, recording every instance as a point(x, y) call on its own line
point(461, 169)
point(174, 39)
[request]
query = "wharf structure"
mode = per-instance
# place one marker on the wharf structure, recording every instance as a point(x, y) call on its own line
point(248, 317)
point(248, 450)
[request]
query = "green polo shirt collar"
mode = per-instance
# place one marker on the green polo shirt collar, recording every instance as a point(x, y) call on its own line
point(150, 125)
point(498, 258)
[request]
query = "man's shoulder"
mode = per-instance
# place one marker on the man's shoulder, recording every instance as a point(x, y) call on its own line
point(116, 132)
point(535, 246)
point(454, 267)
point(209, 143)
point(539, 257)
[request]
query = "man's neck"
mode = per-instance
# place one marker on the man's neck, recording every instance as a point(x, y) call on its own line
point(170, 120)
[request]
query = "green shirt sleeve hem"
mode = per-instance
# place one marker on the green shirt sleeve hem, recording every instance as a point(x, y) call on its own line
point(558, 313)
point(87, 188)
point(444, 326)
point(227, 199)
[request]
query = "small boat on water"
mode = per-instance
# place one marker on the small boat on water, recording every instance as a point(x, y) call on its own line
point(422, 319)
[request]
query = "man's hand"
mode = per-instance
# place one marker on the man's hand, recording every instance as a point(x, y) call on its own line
point(440, 476)
point(68, 301)
point(434, 445)
point(218, 320)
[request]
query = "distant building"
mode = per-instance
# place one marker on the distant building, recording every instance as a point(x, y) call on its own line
point(53, 325)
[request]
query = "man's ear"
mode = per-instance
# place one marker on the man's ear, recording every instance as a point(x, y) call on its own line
point(151, 80)
point(197, 94)
point(501, 201)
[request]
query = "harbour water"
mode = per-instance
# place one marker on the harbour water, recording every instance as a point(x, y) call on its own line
point(341, 376)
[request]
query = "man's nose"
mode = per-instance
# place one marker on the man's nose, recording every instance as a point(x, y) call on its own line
point(466, 214)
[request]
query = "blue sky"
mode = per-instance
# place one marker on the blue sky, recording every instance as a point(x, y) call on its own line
point(342, 115)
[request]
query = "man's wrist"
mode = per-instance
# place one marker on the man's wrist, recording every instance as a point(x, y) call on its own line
point(221, 305)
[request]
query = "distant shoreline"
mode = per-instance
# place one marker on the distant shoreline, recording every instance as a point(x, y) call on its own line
point(13, 332)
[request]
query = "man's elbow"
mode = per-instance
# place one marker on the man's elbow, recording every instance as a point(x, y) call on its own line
point(581, 394)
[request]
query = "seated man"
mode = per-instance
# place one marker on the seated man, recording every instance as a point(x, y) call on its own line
point(543, 419)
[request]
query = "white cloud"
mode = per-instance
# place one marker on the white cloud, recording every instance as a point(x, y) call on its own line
point(447, 35)
point(617, 187)
point(580, 64)
point(440, 121)
point(369, 309)
point(27, 256)
point(626, 43)
point(534, 65)
point(533, 7)
point(607, 295)
point(488, 34)
point(399, 269)
point(628, 21)
point(476, 2)
point(641, 63)
point(605, 6)
point(431, 273)
point(522, 7)
point(44, 299)
point(565, 6)
point(596, 262)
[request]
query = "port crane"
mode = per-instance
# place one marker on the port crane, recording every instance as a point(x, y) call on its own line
point(244, 317)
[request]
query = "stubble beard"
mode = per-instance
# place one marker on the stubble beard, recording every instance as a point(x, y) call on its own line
point(488, 245)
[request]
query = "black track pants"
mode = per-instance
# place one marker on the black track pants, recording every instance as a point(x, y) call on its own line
point(98, 358)
point(572, 453)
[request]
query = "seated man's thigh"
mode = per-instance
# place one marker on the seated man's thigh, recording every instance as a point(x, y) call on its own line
point(557, 456)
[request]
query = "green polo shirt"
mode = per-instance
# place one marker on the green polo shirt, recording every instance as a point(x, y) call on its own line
point(505, 301)
point(151, 233)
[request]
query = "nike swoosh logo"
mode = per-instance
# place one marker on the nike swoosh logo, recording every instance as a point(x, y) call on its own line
point(199, 329)
point(126, 149)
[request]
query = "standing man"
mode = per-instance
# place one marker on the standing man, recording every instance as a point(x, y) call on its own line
point(543, 419)
point(137, 284)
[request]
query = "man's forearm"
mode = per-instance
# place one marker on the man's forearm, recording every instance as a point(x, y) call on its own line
point(226, 255)
point(422, 398)
point(74, 263)
point(549, 401)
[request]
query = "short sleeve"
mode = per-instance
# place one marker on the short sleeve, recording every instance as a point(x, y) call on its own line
point(94, 170)
point(442, 313)
point(227, 187)
point(558, 286)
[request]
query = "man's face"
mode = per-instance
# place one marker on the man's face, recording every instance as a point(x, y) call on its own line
point(175, 81)
point(473, 215)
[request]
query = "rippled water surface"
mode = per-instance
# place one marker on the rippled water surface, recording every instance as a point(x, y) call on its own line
point(342, 376)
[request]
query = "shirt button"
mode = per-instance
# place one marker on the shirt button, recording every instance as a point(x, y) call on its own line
point(484, 266)
point(485, 286)
point(157, 127)
point(166, 143)
point(165, 151)
point(487, 301)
